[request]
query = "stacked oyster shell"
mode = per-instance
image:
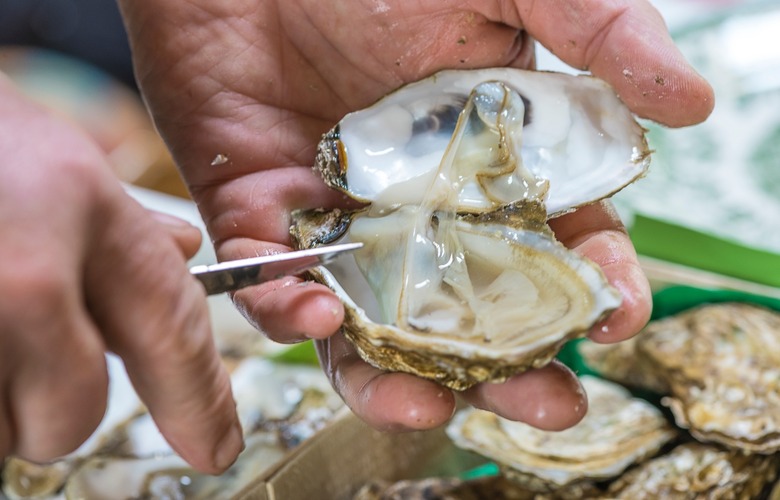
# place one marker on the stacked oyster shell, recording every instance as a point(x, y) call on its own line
point(617, 432)
point(718, 366)
point(717, 370)
point(279, 406)
point(461, 280)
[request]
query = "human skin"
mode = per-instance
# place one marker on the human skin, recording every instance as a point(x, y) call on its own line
point(86, 270)
point(256, 83)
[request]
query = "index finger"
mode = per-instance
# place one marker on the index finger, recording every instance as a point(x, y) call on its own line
point(626, 43)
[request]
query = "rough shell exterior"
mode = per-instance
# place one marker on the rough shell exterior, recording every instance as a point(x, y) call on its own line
point(697, 471)
point(617, 432)
point(723, 365)
point(718, 365)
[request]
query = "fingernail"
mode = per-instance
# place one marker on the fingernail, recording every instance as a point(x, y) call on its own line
point(230, 447)
point(169, 220)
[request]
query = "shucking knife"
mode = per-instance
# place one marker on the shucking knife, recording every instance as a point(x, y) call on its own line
point(235, 274)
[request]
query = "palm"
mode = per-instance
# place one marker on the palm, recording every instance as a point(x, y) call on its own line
point(258, 82)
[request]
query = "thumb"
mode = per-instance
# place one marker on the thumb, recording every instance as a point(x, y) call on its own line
point(626, 43)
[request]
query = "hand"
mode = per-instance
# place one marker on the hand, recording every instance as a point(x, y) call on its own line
point(86, 270)
point(260, 81)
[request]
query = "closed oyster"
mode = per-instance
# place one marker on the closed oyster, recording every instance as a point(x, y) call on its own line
point(462, 171)
point(722, 362)
point(693, 471)
point(617, 431)
point(622, 362)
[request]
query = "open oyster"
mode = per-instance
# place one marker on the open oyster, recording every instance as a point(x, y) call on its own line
point(462, 171)
point(617, 431)
point(572, 132)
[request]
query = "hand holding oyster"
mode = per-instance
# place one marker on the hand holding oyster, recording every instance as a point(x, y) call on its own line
point(464, 279)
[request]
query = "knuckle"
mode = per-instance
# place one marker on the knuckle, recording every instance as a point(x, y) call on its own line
point(41, 287)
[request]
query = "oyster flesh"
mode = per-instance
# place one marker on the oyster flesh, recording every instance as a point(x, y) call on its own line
point(571, 131)
point(617, 432)
point(464, 280)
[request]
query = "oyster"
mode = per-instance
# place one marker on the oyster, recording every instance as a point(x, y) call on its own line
point(722, 362)
point(570, 131)
point(621, 362)
point(617, 431)
point(131, 459)
point(718, 366)
point(462, 171)
point(695, 470)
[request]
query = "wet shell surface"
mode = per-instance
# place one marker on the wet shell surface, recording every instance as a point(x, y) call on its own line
point(617, 431)
point(718, 365)
point(695, 470)
point(722, 363)
point(460, 279)
point(571, 131)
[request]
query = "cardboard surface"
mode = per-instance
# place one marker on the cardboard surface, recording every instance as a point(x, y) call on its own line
point(347, 454)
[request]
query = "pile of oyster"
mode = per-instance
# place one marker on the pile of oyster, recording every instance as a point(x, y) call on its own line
point(460, 279)
point(718, 371)
point(279, 406)
point(718, 367)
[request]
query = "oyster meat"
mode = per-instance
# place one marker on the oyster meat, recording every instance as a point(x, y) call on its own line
point(617, 431)
point(464, 281)
point(571, 131)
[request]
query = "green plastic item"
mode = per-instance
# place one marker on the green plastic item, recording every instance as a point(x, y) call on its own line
point(298, 354)
point(682, 245)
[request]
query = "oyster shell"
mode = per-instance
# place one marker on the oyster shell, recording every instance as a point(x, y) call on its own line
point(617, 431)
point(622, 362)
point(722, 362)
point(569, 130)
point(719, 366)
point(693, 471)
point(131, 459)
point(462, 171)
point(526, 295)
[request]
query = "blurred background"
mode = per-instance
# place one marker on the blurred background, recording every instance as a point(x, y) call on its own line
point(711, 202)
point(73, 56)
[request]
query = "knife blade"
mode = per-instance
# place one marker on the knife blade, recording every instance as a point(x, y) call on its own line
point(235, 274)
